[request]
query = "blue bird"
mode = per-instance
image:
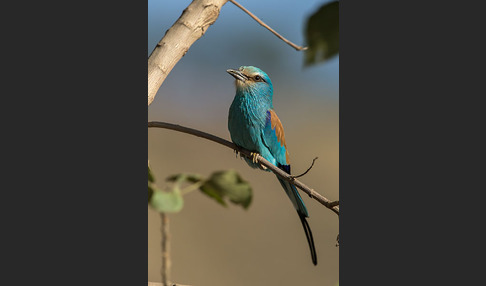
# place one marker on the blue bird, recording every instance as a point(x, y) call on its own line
point(254, 125)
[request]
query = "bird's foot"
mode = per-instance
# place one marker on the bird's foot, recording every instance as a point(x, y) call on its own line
point(254, 159)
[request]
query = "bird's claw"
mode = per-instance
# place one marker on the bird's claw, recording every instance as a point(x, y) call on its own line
point(254, 159)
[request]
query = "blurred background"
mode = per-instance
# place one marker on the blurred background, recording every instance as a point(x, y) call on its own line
point(264, 245)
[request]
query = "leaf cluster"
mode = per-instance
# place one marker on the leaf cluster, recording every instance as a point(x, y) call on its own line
point(222, 186)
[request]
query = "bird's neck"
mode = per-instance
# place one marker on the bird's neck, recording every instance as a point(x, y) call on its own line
point(252, 105)
point(259, 97)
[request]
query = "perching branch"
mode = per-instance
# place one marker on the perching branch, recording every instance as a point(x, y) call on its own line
point(190, 26)
point(298, 48)
point(332, 205)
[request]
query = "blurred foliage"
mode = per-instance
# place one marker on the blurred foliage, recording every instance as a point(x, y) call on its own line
point(219, 186)
point(150, 181)
point(180, 178)
point(167, 201)
point(322, 34)
point(164, 200)
point(150, 175)
point(228, 184)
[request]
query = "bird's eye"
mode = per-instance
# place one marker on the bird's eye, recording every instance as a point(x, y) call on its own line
point(257, 77)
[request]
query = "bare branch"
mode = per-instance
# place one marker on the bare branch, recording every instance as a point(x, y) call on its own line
point(282, 174)
point(298, 48)
point(166, 264)
point(190, 26)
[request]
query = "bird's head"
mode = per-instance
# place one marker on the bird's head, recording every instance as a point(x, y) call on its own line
point(253, 80)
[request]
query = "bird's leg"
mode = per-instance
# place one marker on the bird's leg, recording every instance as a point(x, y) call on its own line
point(254, 159)
point(237, 152)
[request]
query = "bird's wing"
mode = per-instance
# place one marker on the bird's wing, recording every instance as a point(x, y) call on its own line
point(274, 139)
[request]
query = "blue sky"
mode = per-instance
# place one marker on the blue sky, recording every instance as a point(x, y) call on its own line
point(236, 39)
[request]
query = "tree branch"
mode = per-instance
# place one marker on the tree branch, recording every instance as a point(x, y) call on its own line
point(190, 26)
point(332, 205)
point(298, 48)
point(161, 284)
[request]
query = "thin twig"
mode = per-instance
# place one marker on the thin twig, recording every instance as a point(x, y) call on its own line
point(298, 48)
point(161, 284)
point(282, 174)
point(307, 169)
point(165, 270)
point(335, 203)
point(192, 187)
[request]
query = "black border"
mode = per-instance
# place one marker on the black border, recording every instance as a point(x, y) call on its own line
point(409, 129)
point(75, 208)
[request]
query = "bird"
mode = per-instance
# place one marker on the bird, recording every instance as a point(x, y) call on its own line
point(254, 125)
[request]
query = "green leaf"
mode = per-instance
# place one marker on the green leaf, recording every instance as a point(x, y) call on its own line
point(150, 192)
point(151, 179)
point(322, 34)
point(228, 184)
point(163, 201)
point(150, 176)
point(213, 192)
point(167, 201)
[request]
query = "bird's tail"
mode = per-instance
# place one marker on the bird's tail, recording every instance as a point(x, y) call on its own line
point(310, 239)
point(294, 196)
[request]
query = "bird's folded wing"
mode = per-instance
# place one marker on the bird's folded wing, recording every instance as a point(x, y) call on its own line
point(274, 139)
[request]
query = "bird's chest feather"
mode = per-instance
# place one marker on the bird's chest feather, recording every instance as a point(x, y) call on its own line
point(246, 121)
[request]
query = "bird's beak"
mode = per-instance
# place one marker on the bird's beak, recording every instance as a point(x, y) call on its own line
point(237, 74)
